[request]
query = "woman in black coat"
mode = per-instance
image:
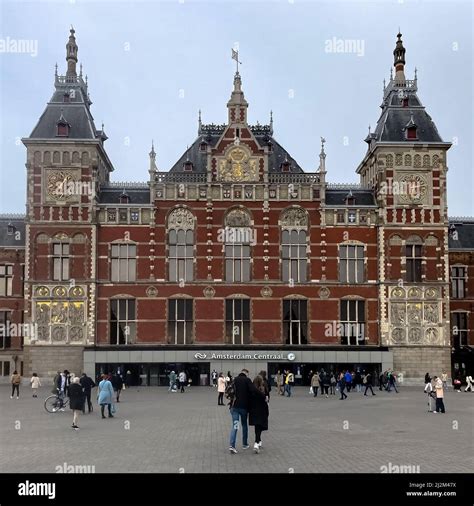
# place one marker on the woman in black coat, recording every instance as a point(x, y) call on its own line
point(76, 400)
point(258, 411)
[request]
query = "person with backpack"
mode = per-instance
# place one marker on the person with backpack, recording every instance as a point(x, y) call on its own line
point(16, 382)
point(220, 390)
point(35, 384)
point(367, 382)
point(238, 393)
point(392, 380)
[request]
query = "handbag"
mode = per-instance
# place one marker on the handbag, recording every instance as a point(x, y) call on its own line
point(311, 391)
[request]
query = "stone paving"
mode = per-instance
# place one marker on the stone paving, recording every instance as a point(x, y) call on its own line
point(157, 431)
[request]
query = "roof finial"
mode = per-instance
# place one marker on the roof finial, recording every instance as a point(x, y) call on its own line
point(152, 155)
point(271, 122)
point(391, 73)
point(199, 123)
point(322, 156)
point(71, 56)
point(399, 59)
point(80, 70)
point(369, 129)
point(56, 70)
point(187, 153)
point(416, 73)
point(235, 56)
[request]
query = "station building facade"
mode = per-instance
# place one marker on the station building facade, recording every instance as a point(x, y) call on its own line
point(236, 256)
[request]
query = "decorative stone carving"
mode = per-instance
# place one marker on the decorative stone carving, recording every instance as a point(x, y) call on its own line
point(237, 218)
point(413, 188)
point(266, 292)
point(398, 293)
point(431, 240)
point(398, 314)
point(58, 333)
point(414, 293)
point(43, 333)
point(432, 335)
point(431, 293)
point(42, 291)
point(76, 333)
point(238, 166)
point(408, 160)
point(415, 335)
point(398, 335)
point(294, 217)
point(181, 218)
point(414, 314)
point(398, 159)
point(436, 162)
point(431, 313)
point(151, 291)
point(59, 291)
point(59, 312)
point(395, 240)
point(209, 292)
point(324, 292)
point(76, 313)
point(76, 291)
point(42, 313)
point(389, 160)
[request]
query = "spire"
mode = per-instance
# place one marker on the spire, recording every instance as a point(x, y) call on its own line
point(322, 157)
point(399, 59)
point(237, 105)
point(152, 154)
point(71, 54)
point(199, 123)
point(271, 122)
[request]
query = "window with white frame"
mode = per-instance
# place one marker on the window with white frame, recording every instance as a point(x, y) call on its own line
point(351, 263)
point(458, 281)
point(5, 337)
point(6, 280)
point(352, 322)
point(293, 256)
point(238, 237)
point(123, 323)
point(60, 261)
point(295, 321)
point(180, 321)
point(181, 255)
point(123, 262)
point(459, 329)
point(237, 319)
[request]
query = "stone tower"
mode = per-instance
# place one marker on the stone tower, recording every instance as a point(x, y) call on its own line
point(406, 166)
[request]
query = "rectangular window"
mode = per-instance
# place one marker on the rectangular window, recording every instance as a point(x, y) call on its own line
point(459, 329)
point(6, 280)
point(413, 263)
point(458, 282)
point(237, 317)
point(294, 256)
point(6, 368)
point(295, 321)
point(5, 338)
point(237, 261)
point(341, 217)
point(123, 324)
point(351, 264)
point(60, 261)
point(181, 255)
point(123, 262)
point(180, 321)
point(353, 322)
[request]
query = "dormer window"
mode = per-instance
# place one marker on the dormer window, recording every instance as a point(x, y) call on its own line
point(411, 133)
point(270, 147)
point(63, 130)
point(285, 166)
point(10, 229)
point(350, 199)
point(124, 198)
point(66, 98)
point(188, 166)
point(404, 102)
point(203, 146)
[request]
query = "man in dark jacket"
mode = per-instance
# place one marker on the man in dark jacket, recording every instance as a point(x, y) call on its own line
point(117, 384)
point(367, 381)
point(87, 385)
point(239, 408)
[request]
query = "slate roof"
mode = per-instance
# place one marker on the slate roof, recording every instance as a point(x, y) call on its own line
point(76, 112)
point(12, 240)
point(465, 233)
point(138, 195)
point(336, 197)
point(394, 118)
point(212, 133)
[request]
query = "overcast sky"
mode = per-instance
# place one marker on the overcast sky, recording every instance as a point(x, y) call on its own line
point(153, 65)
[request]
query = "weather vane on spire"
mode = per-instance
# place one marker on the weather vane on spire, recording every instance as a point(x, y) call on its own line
point(235, 56)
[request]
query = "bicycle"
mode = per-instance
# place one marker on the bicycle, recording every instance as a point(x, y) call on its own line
point(55, 403)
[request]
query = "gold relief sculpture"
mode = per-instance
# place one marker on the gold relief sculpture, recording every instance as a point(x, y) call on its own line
point(59, 291)
point(414, 313)
point(42, 291)
point(76, 291)
point(42, 312)
point(398, 293)
point(398, 314)
point(414, 293)
point(237, 166)
point(76, 313)
point(59, 312)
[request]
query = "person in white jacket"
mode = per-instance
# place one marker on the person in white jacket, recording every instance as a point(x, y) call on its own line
point(469, 383)
point(35, 384)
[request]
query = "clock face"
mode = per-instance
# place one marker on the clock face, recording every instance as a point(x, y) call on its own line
point(60, 185)
point(238, 166)
point(413, 188)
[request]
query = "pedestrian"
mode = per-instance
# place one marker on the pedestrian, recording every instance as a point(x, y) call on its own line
point(444, 379)
point(128, 379)
point(392, 382)
point(358, 381)
point(76, 401)
point(172, 378)
point(221, 384)
point(469, 383)
point(279, 382)
point(289, 382)
point(325, 383)
point(381, 380)
point(35, 384)
point(457, 384)
point(427, 381)
point(214, 378)
point(367, 382)
point(332, 383)
point(62, 385)
point(15, 381)
point(342, 386)
point(431, 394)
point(439, 395)
point(87, 385)
point(258, 410)
point(67, 376)
point(182, 381)
point(315, 382)
point(240, 391)
point(348, 380)
point(266, 384)
point(105, 395)
point(117, 384)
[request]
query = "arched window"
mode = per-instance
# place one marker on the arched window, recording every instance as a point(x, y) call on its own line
point(181, 245)
point(294, 230)
point(413, 257)
point(237, 238)
point(351, 263)
point(295, 321)
point(123, 258)
point(237, 320)
point(352, 318)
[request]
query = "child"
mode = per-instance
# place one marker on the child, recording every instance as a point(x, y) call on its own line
point(35, 384)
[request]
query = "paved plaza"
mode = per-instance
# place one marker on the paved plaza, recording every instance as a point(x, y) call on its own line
point(157, 431)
